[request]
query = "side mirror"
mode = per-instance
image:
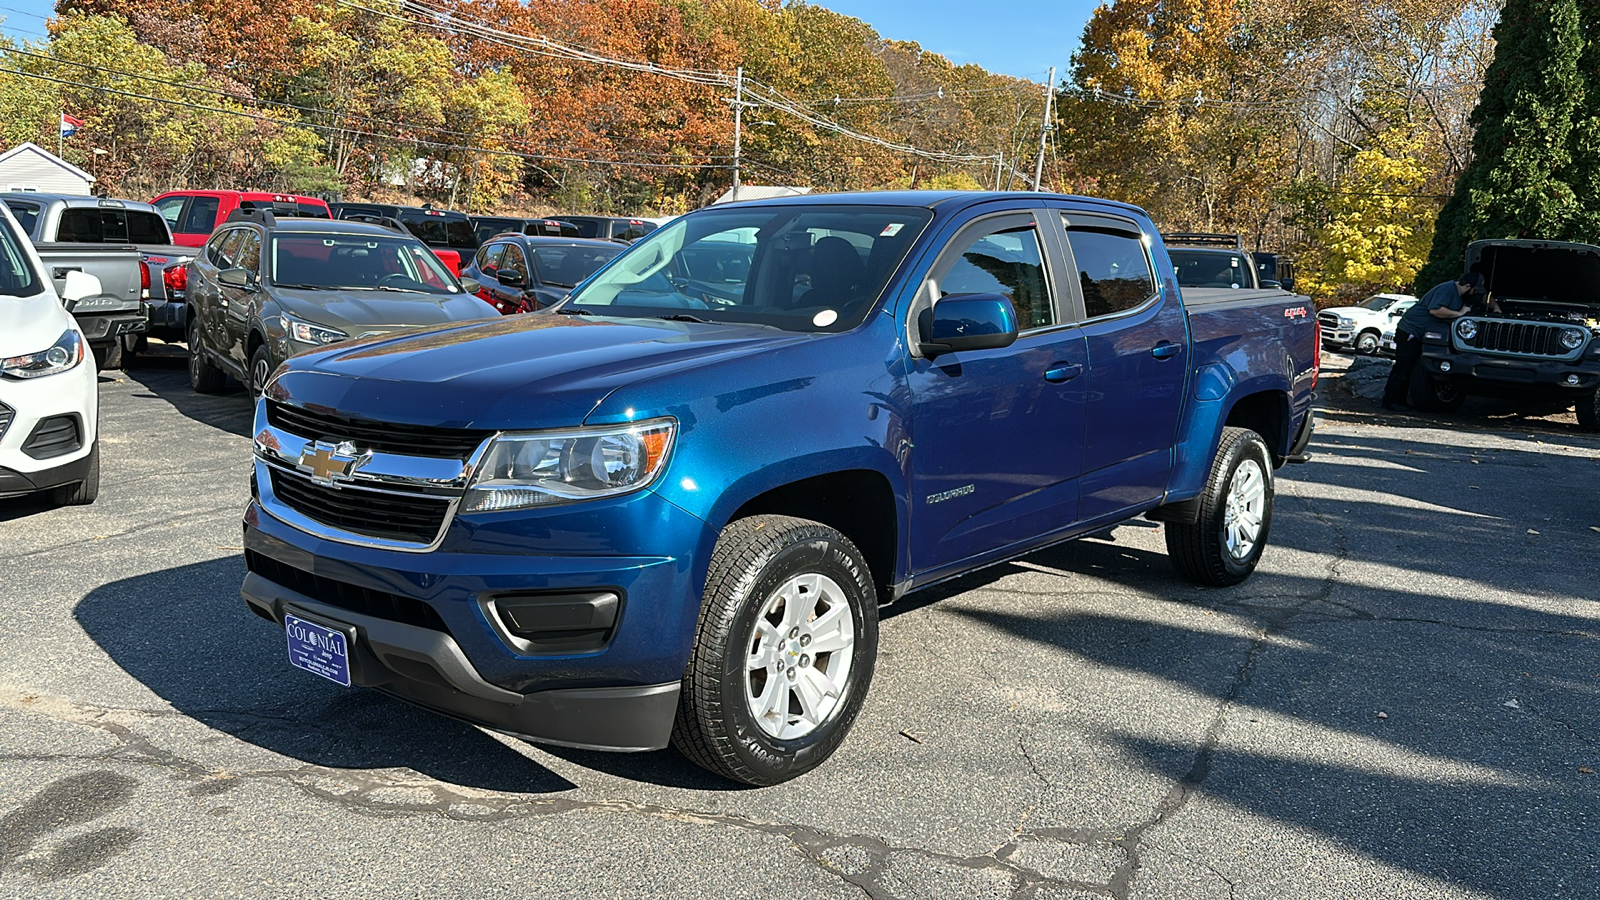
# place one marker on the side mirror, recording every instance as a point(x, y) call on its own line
point(79, 286)
point(970, 322)
point(1269, 284)
point(239, 278)
point(511, 278)
point(471, 285)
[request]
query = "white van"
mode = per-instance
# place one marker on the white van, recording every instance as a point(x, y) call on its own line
point(49, 428)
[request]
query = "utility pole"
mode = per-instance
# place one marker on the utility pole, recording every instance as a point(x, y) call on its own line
point(738, 124)
point(1044, 129)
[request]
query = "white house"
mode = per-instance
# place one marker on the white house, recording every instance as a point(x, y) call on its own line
point(762, 192)
point(29, 167)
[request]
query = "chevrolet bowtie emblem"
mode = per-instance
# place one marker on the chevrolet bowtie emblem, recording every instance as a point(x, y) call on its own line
point(326, 463)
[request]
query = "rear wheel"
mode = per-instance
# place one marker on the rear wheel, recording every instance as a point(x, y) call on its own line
point(1224, 544)
point(1367, 343)
point(108, 357)
point(785, 649)
point(133, 345)
point(84, 492)
point(1429, 394)
point(1589, 412)
point(204, 377)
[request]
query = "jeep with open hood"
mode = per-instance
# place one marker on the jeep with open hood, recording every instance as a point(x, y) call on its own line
point(1539, 340)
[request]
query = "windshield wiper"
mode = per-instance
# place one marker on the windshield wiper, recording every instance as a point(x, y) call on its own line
point(683, 317)
point(304, 287)
point(572, 311)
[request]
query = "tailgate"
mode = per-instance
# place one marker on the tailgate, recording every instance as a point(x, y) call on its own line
point(117, 267)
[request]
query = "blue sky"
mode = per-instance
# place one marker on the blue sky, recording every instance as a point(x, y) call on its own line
point(1017, 37)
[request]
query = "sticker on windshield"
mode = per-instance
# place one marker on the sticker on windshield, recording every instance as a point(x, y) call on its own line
point(891, 229)
point(825, 318)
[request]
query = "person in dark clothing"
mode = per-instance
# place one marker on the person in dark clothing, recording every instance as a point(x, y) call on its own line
point(1444, 302)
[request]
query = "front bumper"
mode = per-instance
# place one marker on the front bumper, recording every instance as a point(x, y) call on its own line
point(429, 629)
point(1470, 370)
point(28, 407)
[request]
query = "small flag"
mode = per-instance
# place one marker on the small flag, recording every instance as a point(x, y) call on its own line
point(70, 125)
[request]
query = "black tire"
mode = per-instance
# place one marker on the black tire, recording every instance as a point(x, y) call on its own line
point(261, 366)
point(132, 346)
point(1429, 394)
point(84, 492)
point(1200, 551)
point(1589, 411)
point(204, 377)
point(754, 558)
point(108, 357)
point(1367, 343)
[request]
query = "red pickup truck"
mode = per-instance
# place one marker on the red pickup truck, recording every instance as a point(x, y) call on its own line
point(193, 215)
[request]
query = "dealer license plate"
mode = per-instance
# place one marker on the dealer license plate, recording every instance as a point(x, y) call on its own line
point(318, 649)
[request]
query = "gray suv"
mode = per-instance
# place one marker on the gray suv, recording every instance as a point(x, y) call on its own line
point(263, 289)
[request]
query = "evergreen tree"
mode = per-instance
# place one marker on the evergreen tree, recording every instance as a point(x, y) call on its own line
point(1514, 186)
point(1584, 169)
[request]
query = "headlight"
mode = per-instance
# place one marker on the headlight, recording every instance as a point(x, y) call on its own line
point(1345, 322)
point(1572, 338)
point(1467, 328)
point(549, 467)
point(307, 333)
point(65, 353)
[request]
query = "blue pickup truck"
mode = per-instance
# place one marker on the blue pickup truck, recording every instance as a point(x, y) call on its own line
point(668, 508)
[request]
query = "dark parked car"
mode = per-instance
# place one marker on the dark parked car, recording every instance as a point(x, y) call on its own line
point(263, 289)
point(488, 226)
point(447, 232)
point(519, 273)
point(611, 228)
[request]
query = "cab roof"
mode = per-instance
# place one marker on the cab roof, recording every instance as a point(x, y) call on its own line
point(935, 200)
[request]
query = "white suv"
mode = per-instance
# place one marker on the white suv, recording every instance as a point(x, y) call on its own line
point(1360, 327)
point(49, 431)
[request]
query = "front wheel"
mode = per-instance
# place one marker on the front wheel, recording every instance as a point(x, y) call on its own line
point(261, 367)
point(1589, 411)
point(785, 649)
point(1224, 544)
point(1429, 394)
point(1367, 343)
point(84, 492)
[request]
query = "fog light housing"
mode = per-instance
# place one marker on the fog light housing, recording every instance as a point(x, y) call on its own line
point(1444, 365)
point(1573, 379)
point(556, 623)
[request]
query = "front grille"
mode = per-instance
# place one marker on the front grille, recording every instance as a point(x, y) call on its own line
point(379, 437)
point(346, 596)
point(1328, 320)
point(55, 436)
point(6, 415)
point(361, 511)
point(1532, 338)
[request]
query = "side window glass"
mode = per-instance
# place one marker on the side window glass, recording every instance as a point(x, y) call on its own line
point(224, 248)
point(27, 215)
point(489, 257)
point(171, 209)
point(513, 261)
point(1113, 270)
point(1007, 261)
point(201, 217)
point(250, 252)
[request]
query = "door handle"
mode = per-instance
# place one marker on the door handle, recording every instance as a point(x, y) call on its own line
point(1067, 372)
point(1166, 350)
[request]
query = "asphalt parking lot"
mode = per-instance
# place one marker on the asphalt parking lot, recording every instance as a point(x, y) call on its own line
point(1403, 702)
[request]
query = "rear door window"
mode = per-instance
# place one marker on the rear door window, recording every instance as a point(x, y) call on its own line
point(224, 248)
point(1113, 270)
point(201, 216)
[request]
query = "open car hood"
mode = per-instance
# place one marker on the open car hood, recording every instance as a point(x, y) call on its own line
point(1541, 271)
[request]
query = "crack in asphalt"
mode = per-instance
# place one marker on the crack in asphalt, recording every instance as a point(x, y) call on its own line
point(391, 794)
point(187, 517)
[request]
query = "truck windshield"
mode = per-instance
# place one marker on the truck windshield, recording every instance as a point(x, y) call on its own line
point(1211, 268)
point(798, 268)
point(357, 263)
point(17, 278)
point(1377, 302)
point(440, 230)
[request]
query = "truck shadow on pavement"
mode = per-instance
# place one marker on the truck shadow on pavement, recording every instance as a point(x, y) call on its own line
point(185, 634)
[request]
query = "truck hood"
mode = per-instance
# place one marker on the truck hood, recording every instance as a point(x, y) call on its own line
point(1543, 271)
point(359, 312)
point(31, 324)
point(522, 372)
